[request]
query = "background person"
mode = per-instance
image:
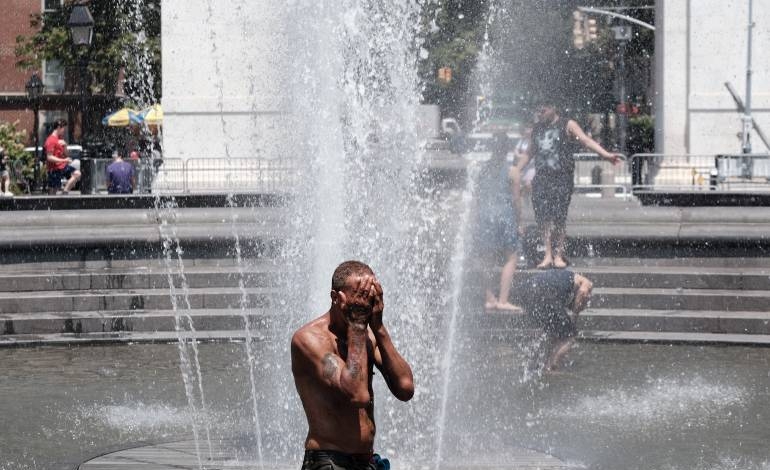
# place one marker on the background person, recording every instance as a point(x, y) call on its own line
point(519, 153)
point(332, 360)
point(58, 163)
point(499, 213)
point(121, 176)
point(554, 141)
point(553, 299)
point(5, 174)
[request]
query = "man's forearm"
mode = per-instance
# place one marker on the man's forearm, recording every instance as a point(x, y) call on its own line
point(354, 376)
point(396, 370)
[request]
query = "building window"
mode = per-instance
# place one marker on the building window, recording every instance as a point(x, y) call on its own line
point(53, 76)
point(51, 5)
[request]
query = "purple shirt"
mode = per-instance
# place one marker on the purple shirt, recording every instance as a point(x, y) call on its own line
point(119, 178)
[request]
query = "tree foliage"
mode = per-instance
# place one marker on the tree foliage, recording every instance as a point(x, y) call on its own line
point(531, 55)
point(12, 141)
point(126, 37)
point(455, 34)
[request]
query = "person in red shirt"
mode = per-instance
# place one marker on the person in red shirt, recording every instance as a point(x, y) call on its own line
point(58, 163)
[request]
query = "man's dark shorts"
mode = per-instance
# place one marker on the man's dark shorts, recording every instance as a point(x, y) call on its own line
point(55, 176)
point(333, 460)
point(555, 322)
point(551, 199)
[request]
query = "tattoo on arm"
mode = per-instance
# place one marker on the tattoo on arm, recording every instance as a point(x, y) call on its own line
point(357, 345)
point(329, 366)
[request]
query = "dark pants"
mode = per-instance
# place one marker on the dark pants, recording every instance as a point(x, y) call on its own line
point(551, 196)
point(333, 460)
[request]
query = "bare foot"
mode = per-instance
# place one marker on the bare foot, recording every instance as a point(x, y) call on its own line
point(559, 263)
point(546, 264)
point(509, 307)
point(490, 305)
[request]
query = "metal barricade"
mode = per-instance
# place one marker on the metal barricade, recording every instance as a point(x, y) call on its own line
point(688, 172)
point(595, 173)
point(163, 176)
point(737, 172)
point(239, 174)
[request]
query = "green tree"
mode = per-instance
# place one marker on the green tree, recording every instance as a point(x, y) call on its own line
point(454, 37)
point(126, 37)
point(23, 163)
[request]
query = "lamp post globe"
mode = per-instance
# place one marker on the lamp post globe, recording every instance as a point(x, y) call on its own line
point(81, 25)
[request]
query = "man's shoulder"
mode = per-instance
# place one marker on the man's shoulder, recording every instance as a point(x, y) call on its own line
point(314, 331)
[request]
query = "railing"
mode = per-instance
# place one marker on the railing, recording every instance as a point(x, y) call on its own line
point(180, 176)
point(641, 172)
point(687, 172)
point(595, 173)
point(242, 174)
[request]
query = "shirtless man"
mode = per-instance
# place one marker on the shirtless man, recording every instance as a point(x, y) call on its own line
point(332, 360)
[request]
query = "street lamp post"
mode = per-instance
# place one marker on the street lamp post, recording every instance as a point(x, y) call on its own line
point(623, 34)
point(747, 120)
point(81, 25)
point(34, 89)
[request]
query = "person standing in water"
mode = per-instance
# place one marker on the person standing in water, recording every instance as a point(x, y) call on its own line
point(499, 212)
point(554, 140)
point(332, 361)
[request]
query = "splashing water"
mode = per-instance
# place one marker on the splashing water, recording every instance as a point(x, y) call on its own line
point(664, 400)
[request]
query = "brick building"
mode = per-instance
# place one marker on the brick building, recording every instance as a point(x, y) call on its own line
point(57, 102)
point(15, 21)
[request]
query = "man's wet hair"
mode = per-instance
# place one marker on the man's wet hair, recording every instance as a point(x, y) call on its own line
point(60, 123)
point(347, 269)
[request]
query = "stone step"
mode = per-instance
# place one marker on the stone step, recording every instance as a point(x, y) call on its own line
point(133, 299)
point(679, 321)
point(264, 274)
point(672, 338)
point(681, 299)
point(29, 340)
point(677, 277)
point(53, 339)
point(691, 262)
point(136, 320)
point(140, 278)
point(232, 297)
point(260, 321)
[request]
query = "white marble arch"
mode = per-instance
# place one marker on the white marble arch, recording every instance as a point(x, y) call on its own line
point(222, 78)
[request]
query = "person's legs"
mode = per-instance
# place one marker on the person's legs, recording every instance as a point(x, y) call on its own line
point(562, 199)
point(560, 236)
point(73, 179)
point(542, 204)
point(506, 278)
point(488, 278)
point(54, 181)
point(5, 183)
point(546, 231)
point(558, 350)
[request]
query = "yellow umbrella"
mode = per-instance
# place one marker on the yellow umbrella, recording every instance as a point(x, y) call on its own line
point(153, 115)
point(122, 118)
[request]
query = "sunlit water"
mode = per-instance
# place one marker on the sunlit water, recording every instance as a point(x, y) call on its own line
point(615, 406)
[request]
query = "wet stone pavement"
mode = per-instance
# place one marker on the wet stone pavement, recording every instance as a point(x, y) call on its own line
point(612, 406)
